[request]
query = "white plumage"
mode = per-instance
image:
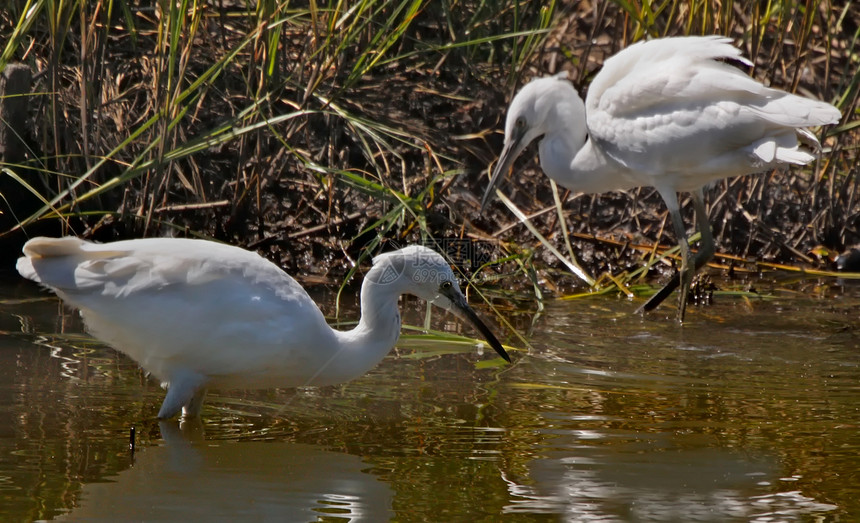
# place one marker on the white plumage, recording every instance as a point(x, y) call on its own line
point(198, 314)
point(665, 113)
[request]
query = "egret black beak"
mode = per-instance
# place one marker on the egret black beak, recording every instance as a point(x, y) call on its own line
point(462, 309)
point(512, 149)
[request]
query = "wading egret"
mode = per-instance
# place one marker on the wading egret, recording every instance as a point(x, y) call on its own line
point(667, 113)
point(198, 314)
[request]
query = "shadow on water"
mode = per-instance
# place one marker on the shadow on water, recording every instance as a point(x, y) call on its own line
point(183, 480)
point(750, 412)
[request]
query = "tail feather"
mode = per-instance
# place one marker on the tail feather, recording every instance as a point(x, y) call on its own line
point(53, 261)
point(795, 146)
point(794, 155)
point(51, 247)
point(43, 247)
point(790, 110)
point(807, 138)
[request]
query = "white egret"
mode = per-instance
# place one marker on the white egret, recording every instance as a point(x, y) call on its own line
point(667, 113)
point(198, 314)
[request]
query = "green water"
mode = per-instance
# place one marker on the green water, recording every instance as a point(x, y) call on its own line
point(750, 412)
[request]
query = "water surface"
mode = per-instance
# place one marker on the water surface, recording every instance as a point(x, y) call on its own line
point(750, 412)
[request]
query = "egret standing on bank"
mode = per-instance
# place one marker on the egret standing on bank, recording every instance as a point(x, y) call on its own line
point(198, 314)
point(665, 113)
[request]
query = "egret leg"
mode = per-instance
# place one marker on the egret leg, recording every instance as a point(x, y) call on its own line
point(706, 244)
point(685, 275)
point(183, 390)
point(671, 199)
point(703, 256)
point(192, 408)
point(687, 263)
point(658, 297)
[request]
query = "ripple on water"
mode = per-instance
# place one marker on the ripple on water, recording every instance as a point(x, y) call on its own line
point(607, 417)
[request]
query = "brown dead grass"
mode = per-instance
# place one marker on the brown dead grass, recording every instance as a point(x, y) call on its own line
point(257, 192)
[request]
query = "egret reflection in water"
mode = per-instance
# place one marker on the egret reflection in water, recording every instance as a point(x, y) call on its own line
point(260, 481)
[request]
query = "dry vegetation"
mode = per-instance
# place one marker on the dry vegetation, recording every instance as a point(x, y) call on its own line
point(315, 133)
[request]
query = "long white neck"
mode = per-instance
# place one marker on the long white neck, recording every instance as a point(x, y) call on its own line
point(378, 329)
point(569, 157)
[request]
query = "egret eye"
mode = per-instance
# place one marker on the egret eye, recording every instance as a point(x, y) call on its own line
point(520, 122)
point(446, 285)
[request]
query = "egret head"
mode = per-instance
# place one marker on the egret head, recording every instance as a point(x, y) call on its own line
point(530, 116)
point(424, 273)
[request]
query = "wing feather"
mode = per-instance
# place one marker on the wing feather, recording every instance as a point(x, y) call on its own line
point(674, 99)
point(152, 299)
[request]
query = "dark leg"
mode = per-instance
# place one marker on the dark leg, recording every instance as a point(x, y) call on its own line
point(192, 408)
point(706, 245)
point(688, 266)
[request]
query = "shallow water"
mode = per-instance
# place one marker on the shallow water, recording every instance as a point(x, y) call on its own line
point(750, 412)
